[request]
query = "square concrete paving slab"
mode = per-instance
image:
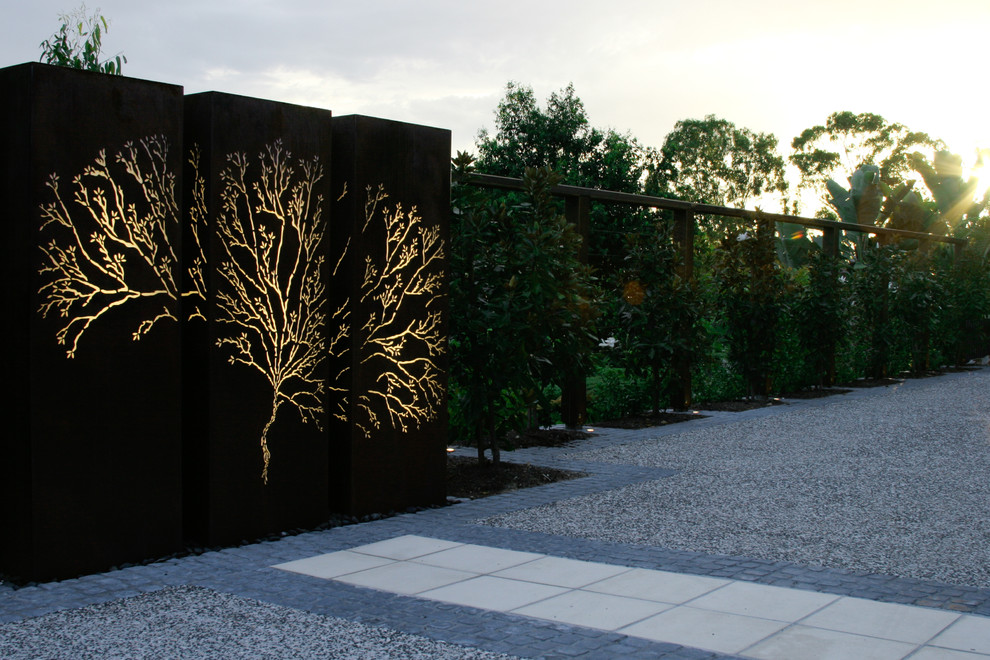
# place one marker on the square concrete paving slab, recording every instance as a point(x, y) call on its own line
point(477, 558)
point(969, 633)
point(405, 577)
point(933, 653)
point(818, 644)
point(562, 572)
point(705, 629)
point(602, 611)
point(903, 623)
point(763, 601)
point(405, 547)
point(492, 593)
point(660, 586)
point(333, 564)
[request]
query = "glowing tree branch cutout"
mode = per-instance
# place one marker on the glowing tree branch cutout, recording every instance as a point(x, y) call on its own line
point(111, 244)
point(272, 289)
point(401, 338)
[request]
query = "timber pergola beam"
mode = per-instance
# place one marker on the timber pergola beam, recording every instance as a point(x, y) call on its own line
point(598, 195)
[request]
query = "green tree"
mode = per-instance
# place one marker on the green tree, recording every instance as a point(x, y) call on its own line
point(954, 197)
point(659, 311)
point(78, 43)
point(847, 141)
point(713, 161)
point(559, 136)
point(521, 304)
point(750, 286)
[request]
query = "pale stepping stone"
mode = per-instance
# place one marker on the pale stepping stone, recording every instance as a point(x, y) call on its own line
point(819, 644)
point(562, 572)
point(491, 593)
point(764, 601)
point(405, 577)
point(936, 653)
point(477, 558)
point(660, 586)
point(705, 629)
point(969, 633)
point(333, 564)
point(903, 623)
point(405, 547)
point(602, 611)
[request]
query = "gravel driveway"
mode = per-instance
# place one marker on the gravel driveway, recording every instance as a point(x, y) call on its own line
point(897, 483)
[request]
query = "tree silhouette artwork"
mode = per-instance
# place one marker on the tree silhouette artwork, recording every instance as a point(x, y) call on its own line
point(271, 290)
point(110, 245)
point(400, 338)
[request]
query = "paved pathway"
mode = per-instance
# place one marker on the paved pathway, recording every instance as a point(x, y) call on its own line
point(697, 606)
point(729, 616)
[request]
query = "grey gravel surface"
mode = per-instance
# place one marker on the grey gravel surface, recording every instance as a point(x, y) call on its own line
point(194, 622)
point(897, 484)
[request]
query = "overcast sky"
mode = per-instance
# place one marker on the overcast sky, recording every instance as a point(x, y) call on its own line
point(638, 65)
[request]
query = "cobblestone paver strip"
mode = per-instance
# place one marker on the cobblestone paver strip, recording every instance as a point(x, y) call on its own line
point(247, 571)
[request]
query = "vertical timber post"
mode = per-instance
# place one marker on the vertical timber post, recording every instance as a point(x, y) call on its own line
point(574, 398)
point(680, 385)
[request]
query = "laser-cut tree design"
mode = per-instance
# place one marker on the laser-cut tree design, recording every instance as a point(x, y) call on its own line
point(111, 244)
point(399, 346)
point(272, 288)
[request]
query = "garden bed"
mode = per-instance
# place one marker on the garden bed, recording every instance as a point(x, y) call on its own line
point(468, 479)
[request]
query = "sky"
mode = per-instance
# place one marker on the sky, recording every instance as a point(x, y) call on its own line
point(639, 66)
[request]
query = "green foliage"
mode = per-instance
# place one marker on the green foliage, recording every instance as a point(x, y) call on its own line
point(713, 161)
point(953, 196)
point(871, 330)
point(613, 393)
point(819, 318)
point(521, 303)
point(847, 140)
point(560, 136)
point(659, 312)
point(78, 43)
point(962, 329)
point(915, 305)
point(750, 286)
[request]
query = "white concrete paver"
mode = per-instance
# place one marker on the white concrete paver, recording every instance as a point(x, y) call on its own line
point(562, 572)
point(335, 564)
point(705, 629)
point(405, 577)
point(725, 616)
point(763, 601)
point(807, 642)
point(904, 623)
point(660, 586)
point(492, 593)
point(477, 558)
point(968, 633)
point(601, 611)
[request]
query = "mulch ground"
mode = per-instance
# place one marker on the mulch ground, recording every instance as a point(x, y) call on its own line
point(467, 479)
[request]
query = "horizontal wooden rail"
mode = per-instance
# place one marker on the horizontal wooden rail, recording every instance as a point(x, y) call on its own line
point(510, 183)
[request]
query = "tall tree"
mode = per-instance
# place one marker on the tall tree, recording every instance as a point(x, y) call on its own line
point(78, 43)
point(520, 303)
point(560, 136)
point(713, 161)
point(846, 141)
